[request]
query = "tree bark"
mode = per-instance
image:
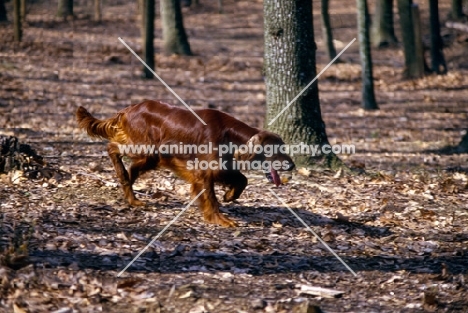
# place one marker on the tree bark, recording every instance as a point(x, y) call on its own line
point(289, 67)
point(438, 64)
point(327, 30)
point(174, 37)
point(383, 31)
point(368, 96)
point(18, 32)
point(3, 12)
point(97, 10)
point(65, 8)
point(148, 38)
point(414, 62)
point(456, 10)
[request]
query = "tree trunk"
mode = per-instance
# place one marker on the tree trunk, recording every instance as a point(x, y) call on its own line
point(174, 37)
point(141, 16)
point(289, 68)
point(327, 31)
point(414, 62)
point(18, 32)
point(23, 10)
point(148, 38)
point(463, 145)
point(383, 31)
point(368, 96)
point(97, 10)
point(438, 64)
point(65, 8)
point(3, 13)
point(456, 11)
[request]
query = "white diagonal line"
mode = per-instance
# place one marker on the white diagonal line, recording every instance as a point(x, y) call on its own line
point(316, 77)
point(160, 233)
point(162, 81)
point(310, 229)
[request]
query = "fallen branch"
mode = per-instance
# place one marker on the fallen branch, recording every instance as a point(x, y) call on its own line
point(456, 25)
point(319, 291)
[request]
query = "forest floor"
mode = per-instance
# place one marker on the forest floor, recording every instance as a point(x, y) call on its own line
point(402, 227)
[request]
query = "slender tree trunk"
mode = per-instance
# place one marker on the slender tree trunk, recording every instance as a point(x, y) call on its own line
point(97, 10)
point(289, 67)
point(3, 13)
point(383, 31)
point(327, 30)
point(438, 64)
point(18, 32)
point(141, 16)
point(174, 36)
point(65, 8)
point(368, 96)
point(456, 11)
point(148, 38)
point(414, 62)
point(23, 10)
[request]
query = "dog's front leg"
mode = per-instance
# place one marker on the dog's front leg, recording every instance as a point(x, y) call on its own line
point(209, 205)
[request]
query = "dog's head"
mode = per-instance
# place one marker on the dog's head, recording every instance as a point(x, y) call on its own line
point(270, 150)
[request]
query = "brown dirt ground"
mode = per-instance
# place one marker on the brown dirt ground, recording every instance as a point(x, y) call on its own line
point(402, 228)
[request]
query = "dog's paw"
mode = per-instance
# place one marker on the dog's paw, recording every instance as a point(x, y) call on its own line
point(219, 219)
point(136, 202)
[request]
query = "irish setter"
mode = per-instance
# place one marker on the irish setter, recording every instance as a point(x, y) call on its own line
point(156, 123)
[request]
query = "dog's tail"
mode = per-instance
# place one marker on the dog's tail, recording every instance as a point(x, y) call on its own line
point(106, 129)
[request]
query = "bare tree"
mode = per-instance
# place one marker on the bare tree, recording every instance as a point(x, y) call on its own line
point(414, 58)
point(438, 64)
point(23, 10)
point(327, 30)
point(65, 8)
point(383, 30)
point(148, 37)
point(368, 96)
point(289, 65)
point(174, 36)
point(97, 10)
point(3, 12)
point(18, 32)
point(456, 10)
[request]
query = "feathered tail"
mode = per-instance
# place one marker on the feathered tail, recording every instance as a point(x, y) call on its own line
point(106, 129)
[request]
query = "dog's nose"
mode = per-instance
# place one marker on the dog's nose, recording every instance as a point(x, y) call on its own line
point(291, 166)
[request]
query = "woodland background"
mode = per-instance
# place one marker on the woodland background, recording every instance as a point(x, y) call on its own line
point(66, 230)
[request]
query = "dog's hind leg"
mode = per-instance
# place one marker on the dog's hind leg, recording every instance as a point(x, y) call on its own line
point(116, 158)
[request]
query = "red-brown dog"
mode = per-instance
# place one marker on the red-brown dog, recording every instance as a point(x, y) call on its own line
point(157, 124)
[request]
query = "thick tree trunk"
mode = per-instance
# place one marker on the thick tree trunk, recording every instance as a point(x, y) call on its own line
point(383, 31)
point(97, 10)
point(65, 8)
point(148, 37)
point(289, 68)
point(414, 61)
point(174, 37)
point(18, 32)
point(3, 13)
point(438, 64)
point(327, 31)
point(368, 96)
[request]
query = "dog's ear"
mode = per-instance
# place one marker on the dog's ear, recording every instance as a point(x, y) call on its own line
point(242, 155)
